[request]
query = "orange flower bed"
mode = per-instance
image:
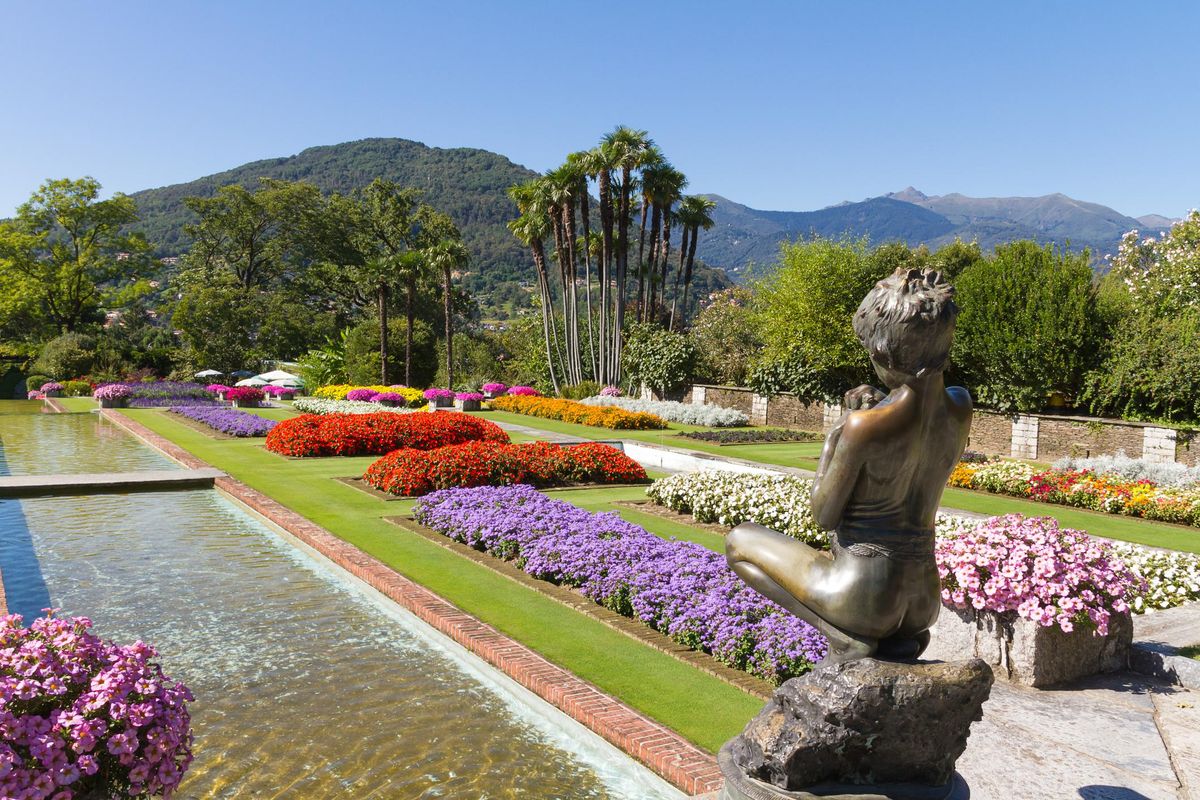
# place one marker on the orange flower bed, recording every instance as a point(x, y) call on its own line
point(376, 434)
point(578, 413)
point(412, 473)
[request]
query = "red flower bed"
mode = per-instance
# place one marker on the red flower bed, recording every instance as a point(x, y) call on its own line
point(376, 434)
point(413, 473)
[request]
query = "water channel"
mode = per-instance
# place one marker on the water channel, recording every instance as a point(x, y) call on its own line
point(307, 685)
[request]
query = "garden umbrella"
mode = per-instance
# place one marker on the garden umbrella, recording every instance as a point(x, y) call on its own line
point(279, 375)
point(241, 373)
point(209, 373)
point(251, 382)
point(293, 383)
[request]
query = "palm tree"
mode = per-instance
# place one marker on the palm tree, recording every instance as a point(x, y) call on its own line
point(531, 229)
point(670, 183)
point(446, 257)
point(412, 267)
point(599, 163)
point(629, 148)
point(693, 215)
point(578, 163)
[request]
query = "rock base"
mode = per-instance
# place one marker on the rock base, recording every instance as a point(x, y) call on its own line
point(741, 787)
point(1029, 654)
point(863, 729)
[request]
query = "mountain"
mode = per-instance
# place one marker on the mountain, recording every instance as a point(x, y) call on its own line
point(1156, 221)
point(744, 235)
point(465, 183)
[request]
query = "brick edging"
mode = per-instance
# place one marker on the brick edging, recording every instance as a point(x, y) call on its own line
point(662, 750)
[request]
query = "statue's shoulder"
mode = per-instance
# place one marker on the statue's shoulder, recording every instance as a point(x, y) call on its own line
point(959, 399)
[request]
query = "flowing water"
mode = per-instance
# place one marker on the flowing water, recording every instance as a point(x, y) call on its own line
point(307, 686)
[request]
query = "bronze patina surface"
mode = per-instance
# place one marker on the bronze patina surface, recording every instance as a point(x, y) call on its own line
point(878, 486)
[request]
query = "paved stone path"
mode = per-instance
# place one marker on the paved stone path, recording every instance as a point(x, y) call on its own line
point(97, 482)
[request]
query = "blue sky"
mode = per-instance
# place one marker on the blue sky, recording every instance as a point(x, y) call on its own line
point(780, 105)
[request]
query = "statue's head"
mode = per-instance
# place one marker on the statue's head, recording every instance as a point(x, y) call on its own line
point(907, 324)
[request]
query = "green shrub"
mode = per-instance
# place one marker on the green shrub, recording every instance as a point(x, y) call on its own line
point(35, 381)
point(67, 355)
point(581, 390)
point(76, 388)
point(658, 358)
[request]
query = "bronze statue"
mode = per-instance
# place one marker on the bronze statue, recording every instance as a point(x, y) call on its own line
point(878, 485)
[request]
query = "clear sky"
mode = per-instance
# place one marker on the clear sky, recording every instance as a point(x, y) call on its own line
point(778, 105)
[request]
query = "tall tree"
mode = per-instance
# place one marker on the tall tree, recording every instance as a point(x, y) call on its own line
point(65, 254)
point(693, 215)
point(259, 238)
point(531, 229)
point(446, 257)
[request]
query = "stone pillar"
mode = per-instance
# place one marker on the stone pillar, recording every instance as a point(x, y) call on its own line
point(1024, 436)
point(830, 414)
point(1158, 445)
point(758, 410)
point(645, 393)
point(698, 395)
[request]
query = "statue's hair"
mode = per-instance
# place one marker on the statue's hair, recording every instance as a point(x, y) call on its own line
point(907, 321)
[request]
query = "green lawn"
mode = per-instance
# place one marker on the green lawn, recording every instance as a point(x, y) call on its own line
point(802, 454)
point(653, 682)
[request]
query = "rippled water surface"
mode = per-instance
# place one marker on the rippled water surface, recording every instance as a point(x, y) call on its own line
point(306, 686)
point(48, 444)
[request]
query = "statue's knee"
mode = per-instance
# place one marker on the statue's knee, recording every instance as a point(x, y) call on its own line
point(735, 544)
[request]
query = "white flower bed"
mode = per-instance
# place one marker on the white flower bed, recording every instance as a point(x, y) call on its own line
point(783, 503)
point(1134, 469)
point(317, 405)
point(683, 413)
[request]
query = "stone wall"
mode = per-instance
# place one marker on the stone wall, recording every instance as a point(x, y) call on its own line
point(991, 433)
point(788, 412)
point(1041, 437)
point(1076, 436)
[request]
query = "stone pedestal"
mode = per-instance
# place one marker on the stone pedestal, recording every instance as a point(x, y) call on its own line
point(1029, 654)
point(863, 730)
point(112, 402)
point(467, 405)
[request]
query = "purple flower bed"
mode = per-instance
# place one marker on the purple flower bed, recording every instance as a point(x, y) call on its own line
point(232, 421)
point(682, 589)
point(160, 394)
point(361, 395)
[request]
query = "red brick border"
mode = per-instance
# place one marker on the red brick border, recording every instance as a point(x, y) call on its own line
point(662, 750)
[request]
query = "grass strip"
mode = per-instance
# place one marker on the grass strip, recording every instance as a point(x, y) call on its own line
point(652, 682)
point(788, 454)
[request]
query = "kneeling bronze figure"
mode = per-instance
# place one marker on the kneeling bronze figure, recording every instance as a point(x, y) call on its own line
point(878, 486)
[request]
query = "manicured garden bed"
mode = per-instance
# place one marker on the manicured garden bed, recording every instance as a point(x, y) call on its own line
point(412, 473)
point(577, 413)
point(230, 421)
point(752, 436)
point(320, 405)
point(1083, 488)
point(681, 589)
point(375, 434)
point(672, 411)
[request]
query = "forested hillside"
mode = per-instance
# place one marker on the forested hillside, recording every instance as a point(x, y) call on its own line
point(465, 183)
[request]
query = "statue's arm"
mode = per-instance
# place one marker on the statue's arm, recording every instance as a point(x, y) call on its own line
point(837, 473)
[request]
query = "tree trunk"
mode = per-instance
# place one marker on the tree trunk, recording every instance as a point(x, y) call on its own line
point(383, 334)
point(587, 273)
point(665, 255)
point(572, 274)
point(687, 278)
point(622, 269)
point(604, 181)
point(655, 226)
point(449, 331)
point(410, 313)
point(539, 261)
point(683, 246)
point(639, 309)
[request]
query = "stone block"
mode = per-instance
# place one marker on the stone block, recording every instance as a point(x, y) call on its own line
point(1029, 654)
point(1158, 445)
point(864, 728)
point(758, 410)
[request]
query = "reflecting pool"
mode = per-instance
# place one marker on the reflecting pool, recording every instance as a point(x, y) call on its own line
point(307, 685)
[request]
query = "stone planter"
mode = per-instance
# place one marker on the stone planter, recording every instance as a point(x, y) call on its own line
point(468, 405)
point(245, 404)
point(112, 402)
point(442, 402)
point(1026, 653)
point(53, 393)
